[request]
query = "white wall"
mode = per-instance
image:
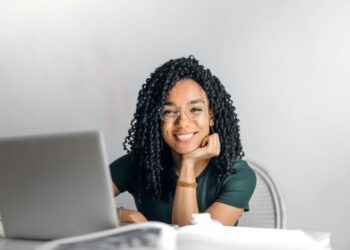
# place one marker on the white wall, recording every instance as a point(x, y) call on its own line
point(73, 65)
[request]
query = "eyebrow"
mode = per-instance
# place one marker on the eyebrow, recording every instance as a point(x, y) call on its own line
point(190, 102)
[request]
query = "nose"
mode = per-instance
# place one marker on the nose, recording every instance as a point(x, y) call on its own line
point(182, 118)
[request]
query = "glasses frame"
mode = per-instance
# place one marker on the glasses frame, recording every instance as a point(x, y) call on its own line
point(180, 109)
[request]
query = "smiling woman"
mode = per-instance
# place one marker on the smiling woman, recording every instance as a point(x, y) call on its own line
point(184, 153)
point(184, 131)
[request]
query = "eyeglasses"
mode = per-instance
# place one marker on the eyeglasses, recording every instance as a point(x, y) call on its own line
point(193, 111)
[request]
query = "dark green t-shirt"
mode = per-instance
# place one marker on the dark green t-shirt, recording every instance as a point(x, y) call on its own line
point(235, 190)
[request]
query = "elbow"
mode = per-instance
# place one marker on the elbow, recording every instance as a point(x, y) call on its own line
point(180, 221)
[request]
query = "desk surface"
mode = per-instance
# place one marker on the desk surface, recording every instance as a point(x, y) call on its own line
point(322, 238)
point(10, 244)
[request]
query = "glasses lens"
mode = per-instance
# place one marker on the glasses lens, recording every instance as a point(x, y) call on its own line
point(195, 110)
point(169, 112)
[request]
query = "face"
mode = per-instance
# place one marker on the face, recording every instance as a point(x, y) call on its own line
point(185, 130)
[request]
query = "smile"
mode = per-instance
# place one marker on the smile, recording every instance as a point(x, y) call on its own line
point(183, 137)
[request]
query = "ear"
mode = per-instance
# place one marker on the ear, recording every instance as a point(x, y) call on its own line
point(211, 121)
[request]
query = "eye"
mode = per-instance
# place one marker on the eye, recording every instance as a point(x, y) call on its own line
point(169, 112)
point(196, 110)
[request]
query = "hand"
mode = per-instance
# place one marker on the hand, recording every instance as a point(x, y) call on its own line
point(209, 148)
point(131, 216)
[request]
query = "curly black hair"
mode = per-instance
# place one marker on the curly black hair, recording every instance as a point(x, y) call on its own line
point(145, 144)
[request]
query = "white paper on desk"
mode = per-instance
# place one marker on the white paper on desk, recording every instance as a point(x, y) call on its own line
point(243, 238)
point(197, 237)
point(144, 236)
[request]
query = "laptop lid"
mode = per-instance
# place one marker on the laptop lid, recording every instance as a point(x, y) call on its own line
point(54, 186)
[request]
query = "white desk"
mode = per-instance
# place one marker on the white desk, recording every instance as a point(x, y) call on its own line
point(11, 244)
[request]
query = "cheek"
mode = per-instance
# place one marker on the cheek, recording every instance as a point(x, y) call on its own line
point(165, 130)
point(203, 123)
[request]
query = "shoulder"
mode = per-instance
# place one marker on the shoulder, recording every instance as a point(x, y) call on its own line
point(242, 167)
point(124, 160)
point(243, 175)
point(123, 173)
point(237, 188)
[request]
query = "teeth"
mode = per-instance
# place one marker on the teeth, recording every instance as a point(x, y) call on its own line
point(184, 136)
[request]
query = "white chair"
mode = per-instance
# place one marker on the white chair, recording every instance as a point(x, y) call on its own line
point(267, 206)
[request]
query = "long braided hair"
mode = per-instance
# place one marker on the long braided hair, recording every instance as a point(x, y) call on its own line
point(144, 142)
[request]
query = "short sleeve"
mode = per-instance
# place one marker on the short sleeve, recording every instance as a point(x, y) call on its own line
point(238, 188)
point(122, 171)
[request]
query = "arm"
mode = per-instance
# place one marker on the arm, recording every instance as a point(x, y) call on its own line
point(226, 214)
point(127, 215)
point(185, 200)
point(185, 204)
point(116, 191)
point(122, 172)
point(234, 195)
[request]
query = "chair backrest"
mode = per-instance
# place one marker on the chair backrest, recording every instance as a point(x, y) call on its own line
point(267, 206)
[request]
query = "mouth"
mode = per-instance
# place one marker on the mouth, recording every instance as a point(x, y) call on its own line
point(184, 137)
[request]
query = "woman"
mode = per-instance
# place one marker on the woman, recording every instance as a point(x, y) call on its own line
point(184, 150)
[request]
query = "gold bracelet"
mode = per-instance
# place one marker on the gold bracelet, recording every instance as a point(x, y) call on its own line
point(186, 184)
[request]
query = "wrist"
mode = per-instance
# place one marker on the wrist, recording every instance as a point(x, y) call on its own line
point(187, 163)
point(180, 183)
point(119, 214)
point(186, 172)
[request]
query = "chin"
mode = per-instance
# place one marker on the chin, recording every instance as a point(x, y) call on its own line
point(185, 149)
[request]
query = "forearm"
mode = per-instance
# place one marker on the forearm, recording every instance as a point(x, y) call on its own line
point(185, 200)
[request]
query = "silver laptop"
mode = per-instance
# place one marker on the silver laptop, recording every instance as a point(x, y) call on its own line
point(54, 186)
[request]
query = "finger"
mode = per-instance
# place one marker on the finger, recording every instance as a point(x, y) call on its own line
point(199, 153)
point(215, 144)
point(205, 142)
point(211, 147)
point(218, 144)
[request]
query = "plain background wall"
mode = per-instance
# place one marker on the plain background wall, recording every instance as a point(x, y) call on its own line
point(78, 65)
